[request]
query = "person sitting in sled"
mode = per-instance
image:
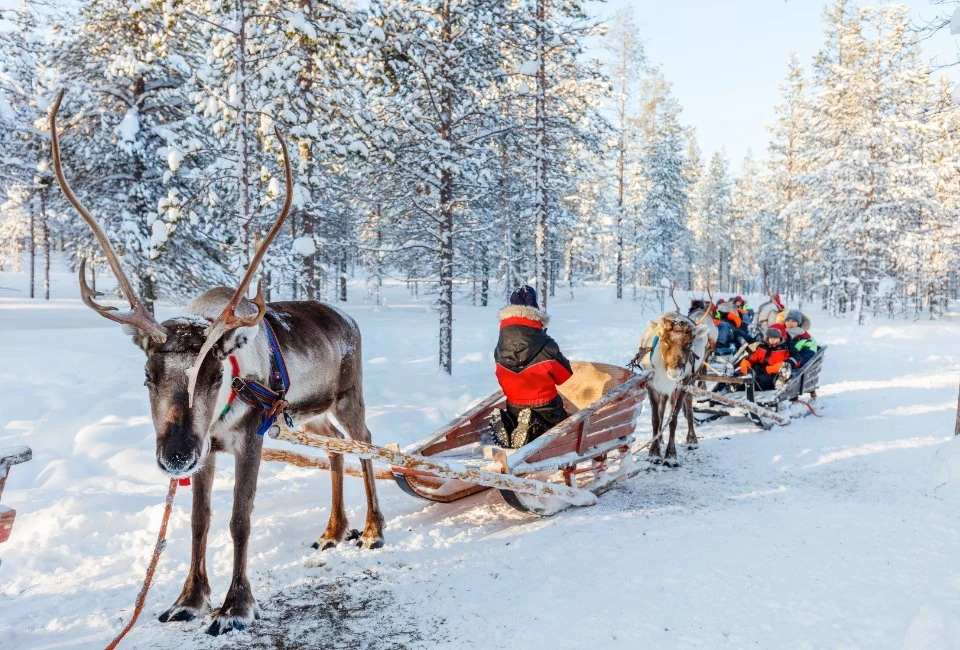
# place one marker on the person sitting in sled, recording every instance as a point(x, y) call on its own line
point(529, 368)
point(745, 311)
point(801, 345)
point(730, 326)
point(770, 362)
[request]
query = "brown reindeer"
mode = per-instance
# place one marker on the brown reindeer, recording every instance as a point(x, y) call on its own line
point(190, 391)
point(677, 347)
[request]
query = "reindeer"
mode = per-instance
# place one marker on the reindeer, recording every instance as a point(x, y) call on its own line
point(674, 346)
point(767, 314)
point(306, 354)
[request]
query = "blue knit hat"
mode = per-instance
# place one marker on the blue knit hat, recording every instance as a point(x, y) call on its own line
point(526, 296)
point(794, 314)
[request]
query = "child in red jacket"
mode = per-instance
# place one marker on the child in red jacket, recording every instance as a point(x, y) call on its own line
point(768, 359)
point(529, 368)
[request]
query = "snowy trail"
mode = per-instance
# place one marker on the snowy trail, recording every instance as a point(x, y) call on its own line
point(837, 531)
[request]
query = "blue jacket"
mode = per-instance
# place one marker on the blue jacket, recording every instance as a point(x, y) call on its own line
point(802, 348)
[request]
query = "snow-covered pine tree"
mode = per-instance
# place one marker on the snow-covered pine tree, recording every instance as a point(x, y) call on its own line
point(787, 243)
point(665, 239)
point(565, 95)
point(626, 63)
point(240, 53)
point(131, 150)
point(746, 213)
point(442, 58)
point(711, 222)
point(25, 166)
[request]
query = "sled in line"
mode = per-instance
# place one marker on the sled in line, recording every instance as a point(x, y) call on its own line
point(568, 465)
point(731, 396)
point(588, 451)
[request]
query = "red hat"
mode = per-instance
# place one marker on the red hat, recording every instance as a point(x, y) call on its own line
point(780, 328)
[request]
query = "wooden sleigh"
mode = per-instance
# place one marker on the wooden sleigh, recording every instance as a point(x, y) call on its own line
point(588, 451)
point(717, 400)
point(569, 465)
point(8, 458)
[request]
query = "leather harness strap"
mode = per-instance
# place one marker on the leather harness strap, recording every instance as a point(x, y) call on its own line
point(271, 399)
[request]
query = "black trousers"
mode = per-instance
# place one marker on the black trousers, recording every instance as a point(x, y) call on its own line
point(763, 381)
point(542, 418)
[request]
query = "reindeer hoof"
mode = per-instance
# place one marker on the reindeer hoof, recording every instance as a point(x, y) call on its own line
point(353, 535)
point(186, 608)
point(177, 613)
point(223, 624)
point(693, 445)
point(325, 544)
point(671, 462)
point(370, 543)
point(330, 539)
point(654, 460)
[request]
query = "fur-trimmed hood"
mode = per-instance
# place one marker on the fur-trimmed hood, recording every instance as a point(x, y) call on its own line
point(522, 311)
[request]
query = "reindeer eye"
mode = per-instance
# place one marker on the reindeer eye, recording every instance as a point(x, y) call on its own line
point(147, 378)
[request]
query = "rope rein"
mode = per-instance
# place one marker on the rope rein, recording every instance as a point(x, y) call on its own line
point(157, 550)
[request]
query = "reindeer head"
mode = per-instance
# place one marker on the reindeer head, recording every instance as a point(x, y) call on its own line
point(181, 430)
point(677, 336)
point(185, 383)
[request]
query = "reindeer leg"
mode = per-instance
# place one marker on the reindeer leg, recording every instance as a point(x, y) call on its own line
point(688, 414)
point(194, 599)
point(239, 608)
point(372, 536)
point(351, 414)
point(337, 526)
point(670, 457)
point(656, 417)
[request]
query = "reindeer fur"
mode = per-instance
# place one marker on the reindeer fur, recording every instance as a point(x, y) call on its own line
point(321, 348)
point(676, 359)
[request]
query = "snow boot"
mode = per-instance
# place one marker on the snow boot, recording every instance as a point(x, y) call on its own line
point(519, 436)
point(500, 432)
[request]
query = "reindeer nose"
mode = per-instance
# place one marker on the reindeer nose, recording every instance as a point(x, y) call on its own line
point(177, 465)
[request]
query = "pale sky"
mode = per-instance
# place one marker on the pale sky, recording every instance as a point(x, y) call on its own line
point(727, 59)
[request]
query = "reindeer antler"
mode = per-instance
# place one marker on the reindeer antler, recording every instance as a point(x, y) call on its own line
point(138, 316)
point(673, 286)
point(228, 319)
point(706, 312)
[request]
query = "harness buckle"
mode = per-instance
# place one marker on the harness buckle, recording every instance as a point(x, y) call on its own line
point(238, 385)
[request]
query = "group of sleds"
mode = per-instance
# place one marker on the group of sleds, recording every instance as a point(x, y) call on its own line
point(595, 446)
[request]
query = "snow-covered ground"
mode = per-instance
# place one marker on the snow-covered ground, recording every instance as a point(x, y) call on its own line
point(838, 531)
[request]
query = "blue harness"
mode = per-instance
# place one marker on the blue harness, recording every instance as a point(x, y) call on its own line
point(271, 399)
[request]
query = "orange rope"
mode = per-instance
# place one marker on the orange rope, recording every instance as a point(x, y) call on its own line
point(158, 549)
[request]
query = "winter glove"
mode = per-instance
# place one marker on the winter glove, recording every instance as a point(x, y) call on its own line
point(795, 363)
point(774, 368)
point(745, 367)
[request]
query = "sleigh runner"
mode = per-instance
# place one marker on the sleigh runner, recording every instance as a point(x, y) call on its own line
point(568, 465)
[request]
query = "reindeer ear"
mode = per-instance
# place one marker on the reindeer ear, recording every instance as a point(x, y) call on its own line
point(233, 341)
point(140, 338)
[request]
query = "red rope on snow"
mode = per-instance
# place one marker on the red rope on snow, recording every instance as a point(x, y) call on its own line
point(809, 406)
point(157, 550)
